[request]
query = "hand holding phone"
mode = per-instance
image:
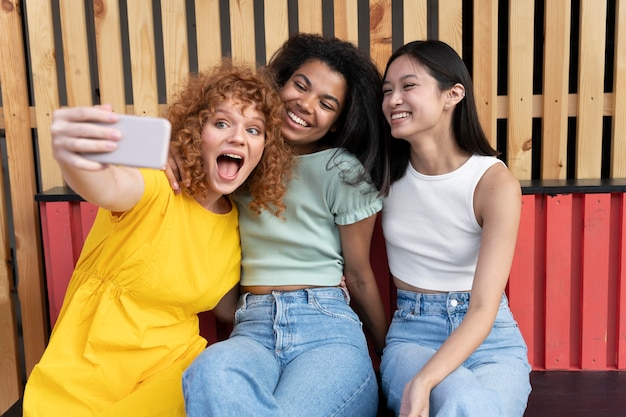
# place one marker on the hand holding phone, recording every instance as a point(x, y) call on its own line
point(144, 143)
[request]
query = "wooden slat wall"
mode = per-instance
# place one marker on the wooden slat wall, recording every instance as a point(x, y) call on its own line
point(91, 51)
point(27, 257)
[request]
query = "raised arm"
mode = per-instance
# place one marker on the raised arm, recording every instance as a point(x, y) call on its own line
point(74, 132)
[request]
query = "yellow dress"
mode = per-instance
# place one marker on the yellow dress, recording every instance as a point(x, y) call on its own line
point(128, 326)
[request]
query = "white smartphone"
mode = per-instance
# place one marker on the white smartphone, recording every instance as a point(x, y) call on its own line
point(144, 143)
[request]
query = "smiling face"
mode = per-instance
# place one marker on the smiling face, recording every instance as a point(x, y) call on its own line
point(233, 141)
point(314, 99)
point(412, 102)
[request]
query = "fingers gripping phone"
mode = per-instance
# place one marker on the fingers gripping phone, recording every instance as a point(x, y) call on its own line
point(144, 143)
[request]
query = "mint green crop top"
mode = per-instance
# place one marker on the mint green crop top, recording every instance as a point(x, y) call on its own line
point(304, 247)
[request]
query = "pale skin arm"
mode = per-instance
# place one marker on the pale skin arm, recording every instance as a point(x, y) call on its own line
point(360, 280)
point(497, 204)
point(114, 188)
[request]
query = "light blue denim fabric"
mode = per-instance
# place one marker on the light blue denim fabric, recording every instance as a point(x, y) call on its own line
point(300, 353)
point(493, 382)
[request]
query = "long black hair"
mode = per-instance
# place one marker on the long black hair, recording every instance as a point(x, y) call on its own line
point(361, 124)
point(447, 68)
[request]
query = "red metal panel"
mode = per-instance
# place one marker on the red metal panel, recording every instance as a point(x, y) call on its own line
point(620, 307)
point(558, 281)
point(58, 252)
point(521, 285)
point(85, 214)
point(566, 289)
point(594, 281)
point(208, 327)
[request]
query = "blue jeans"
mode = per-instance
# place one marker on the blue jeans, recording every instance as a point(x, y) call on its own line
point(493, 381)
point(300, 353)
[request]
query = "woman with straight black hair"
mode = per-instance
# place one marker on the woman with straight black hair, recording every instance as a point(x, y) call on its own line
point(450, 221)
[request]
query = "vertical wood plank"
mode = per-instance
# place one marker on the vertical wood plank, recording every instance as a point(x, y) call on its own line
point(143, 59)
point(621, 287)
point(175, 45)
point(380, 32)
point(10, 374)
point(45, 87)
point(415, 20)
point(109, 53)
point(618, 138)
point(521, 285)
point(594, 280)
point(276, 26)
point(519, 134)
point(310, 16)
point(346, 15)
point(208, 33)
point(558, 281)
point(451, 23)
point(242, 31)
point(555, 84)
point(28, 259)
point(485, 71)
point(75, 53)
point(590, 89)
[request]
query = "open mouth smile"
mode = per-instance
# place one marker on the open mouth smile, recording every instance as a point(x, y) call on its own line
point(229, 164)
point(401, 115)
point(297, 120)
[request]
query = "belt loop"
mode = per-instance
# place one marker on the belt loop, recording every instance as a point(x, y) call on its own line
point(243, 302)
point(309, 295)
point(418, 304)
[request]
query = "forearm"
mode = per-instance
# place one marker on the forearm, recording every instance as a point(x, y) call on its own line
point(224, 311)
point(463, 341)
point(113, 188)
point(366, 298)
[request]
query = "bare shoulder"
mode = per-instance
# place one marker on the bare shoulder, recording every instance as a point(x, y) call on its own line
point(498, 189)
point(498, 178)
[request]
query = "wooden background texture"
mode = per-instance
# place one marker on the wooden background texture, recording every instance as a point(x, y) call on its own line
point(550, 77)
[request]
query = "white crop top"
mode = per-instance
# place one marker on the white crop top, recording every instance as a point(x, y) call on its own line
point(431, 232)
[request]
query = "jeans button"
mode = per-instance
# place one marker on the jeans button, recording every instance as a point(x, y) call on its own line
point(454, 303)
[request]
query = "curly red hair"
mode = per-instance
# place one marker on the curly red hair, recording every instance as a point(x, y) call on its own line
point(191, 109)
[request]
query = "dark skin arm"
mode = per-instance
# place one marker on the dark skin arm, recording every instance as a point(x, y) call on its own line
point(224, 311)
point(355, 242)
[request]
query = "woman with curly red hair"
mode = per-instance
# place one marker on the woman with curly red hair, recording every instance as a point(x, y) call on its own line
point(155, 259)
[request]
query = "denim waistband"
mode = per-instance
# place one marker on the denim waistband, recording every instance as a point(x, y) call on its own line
point(303, 296)
point(425, 303)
